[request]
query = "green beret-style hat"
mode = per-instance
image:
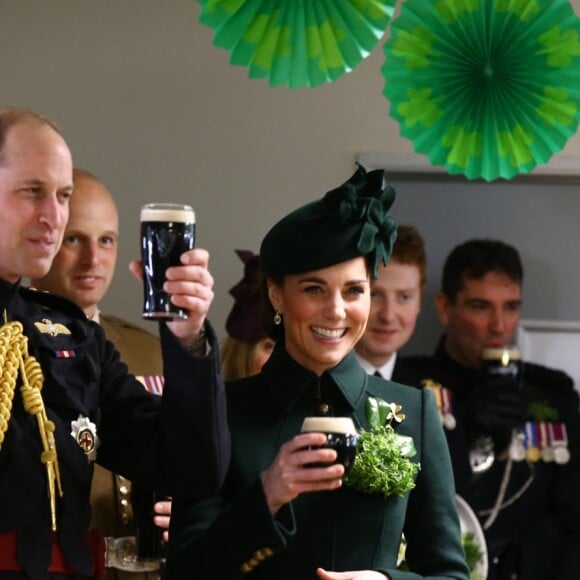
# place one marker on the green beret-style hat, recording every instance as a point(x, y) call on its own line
point(348, 222)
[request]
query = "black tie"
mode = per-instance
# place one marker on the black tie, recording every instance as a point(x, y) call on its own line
point(377, 374)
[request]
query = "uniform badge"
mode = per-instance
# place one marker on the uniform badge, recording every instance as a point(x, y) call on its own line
point(481, 455)
point(51, 328)
point(84, 432)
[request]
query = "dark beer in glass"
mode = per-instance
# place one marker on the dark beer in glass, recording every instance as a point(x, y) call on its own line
point(148, 536)
point(503, 366)
point(340, 434)
point(167, 231)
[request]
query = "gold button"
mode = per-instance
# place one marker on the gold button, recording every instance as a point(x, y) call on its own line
point(246, 568)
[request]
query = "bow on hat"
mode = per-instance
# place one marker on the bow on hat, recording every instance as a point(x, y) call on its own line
point(364, 200)
point(350, 221)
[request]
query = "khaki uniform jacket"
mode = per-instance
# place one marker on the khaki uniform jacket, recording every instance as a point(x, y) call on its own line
point(141, 352)
point(233, 535)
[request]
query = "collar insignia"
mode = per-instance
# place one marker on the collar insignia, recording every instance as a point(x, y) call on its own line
point(51, 328)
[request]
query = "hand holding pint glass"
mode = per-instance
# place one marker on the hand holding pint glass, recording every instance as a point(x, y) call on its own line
point(167, 231)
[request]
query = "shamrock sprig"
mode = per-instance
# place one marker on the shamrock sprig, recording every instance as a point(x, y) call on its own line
point(383, 465)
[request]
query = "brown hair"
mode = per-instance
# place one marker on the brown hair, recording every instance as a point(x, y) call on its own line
point(13, 116)
point(475, 258)
point(409, 249)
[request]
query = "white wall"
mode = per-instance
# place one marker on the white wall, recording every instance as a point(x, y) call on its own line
point(153, 108)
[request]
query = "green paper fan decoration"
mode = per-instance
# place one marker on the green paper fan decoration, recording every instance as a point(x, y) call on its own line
point(485, 88)
point(297, 42)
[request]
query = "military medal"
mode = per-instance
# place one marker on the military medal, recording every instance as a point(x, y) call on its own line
point(84, 432)
point(443, 400)
point(533, 453)
point(517, 449)
point(448, 418)
point(559, 443)
point(152, 383)
point(545, 443)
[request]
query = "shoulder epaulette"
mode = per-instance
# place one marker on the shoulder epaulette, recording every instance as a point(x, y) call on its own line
point(53, 302)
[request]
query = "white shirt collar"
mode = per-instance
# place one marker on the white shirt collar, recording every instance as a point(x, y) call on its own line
point(96, 316)
point(386, 370)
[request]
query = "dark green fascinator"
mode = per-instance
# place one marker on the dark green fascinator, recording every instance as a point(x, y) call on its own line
point(348, 222)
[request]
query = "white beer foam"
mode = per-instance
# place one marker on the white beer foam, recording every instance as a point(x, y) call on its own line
point(183, 215)
point(328, 425)
point(507, 353)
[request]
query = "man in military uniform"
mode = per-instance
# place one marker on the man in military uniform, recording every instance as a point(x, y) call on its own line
point(80, 404)
point(83, 271)
point(514, 443)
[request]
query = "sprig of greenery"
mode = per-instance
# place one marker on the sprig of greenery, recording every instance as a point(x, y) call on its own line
point(382, 464)
point(473, 553)
point(542, 411)
point(472, 549)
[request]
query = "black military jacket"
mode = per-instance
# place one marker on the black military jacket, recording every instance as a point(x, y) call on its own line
point(537, 532)
point(177, 443)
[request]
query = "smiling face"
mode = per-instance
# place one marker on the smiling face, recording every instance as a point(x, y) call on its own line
point(485, 313)
point(395, 305)
point(35, 186)
point(324, 312)
point(84, 267)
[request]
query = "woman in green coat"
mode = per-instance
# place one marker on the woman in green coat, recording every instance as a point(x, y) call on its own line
point(278, 517)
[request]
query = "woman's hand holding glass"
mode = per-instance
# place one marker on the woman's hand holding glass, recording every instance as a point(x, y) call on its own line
point(292, 472)
point(353, 575)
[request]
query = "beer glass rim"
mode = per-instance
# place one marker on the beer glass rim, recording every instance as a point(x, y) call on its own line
point(167, 205)
point(492, 353)
point(344, 425)
point(179, 212)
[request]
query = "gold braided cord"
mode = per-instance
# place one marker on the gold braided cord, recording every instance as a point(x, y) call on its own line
point(14, 356)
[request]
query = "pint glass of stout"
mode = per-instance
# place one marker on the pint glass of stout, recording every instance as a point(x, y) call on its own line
point(341, 436)
point(503, 366)
point(150, 548)
point(167, 230)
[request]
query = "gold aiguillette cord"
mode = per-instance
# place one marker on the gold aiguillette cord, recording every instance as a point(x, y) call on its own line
point(14, 357)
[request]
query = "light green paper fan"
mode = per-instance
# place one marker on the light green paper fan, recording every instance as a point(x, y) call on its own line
point(297, 42)
point(485, 88)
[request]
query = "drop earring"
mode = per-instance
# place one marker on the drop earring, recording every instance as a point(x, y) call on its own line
point(277, 317)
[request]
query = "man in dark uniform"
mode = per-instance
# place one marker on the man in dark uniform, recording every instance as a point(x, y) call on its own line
point(80, 404)
point(514, 442)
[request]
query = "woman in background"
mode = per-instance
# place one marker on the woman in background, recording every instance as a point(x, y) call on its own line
point(246, 348)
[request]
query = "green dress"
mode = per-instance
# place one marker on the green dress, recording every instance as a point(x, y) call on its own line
point(233, 535)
